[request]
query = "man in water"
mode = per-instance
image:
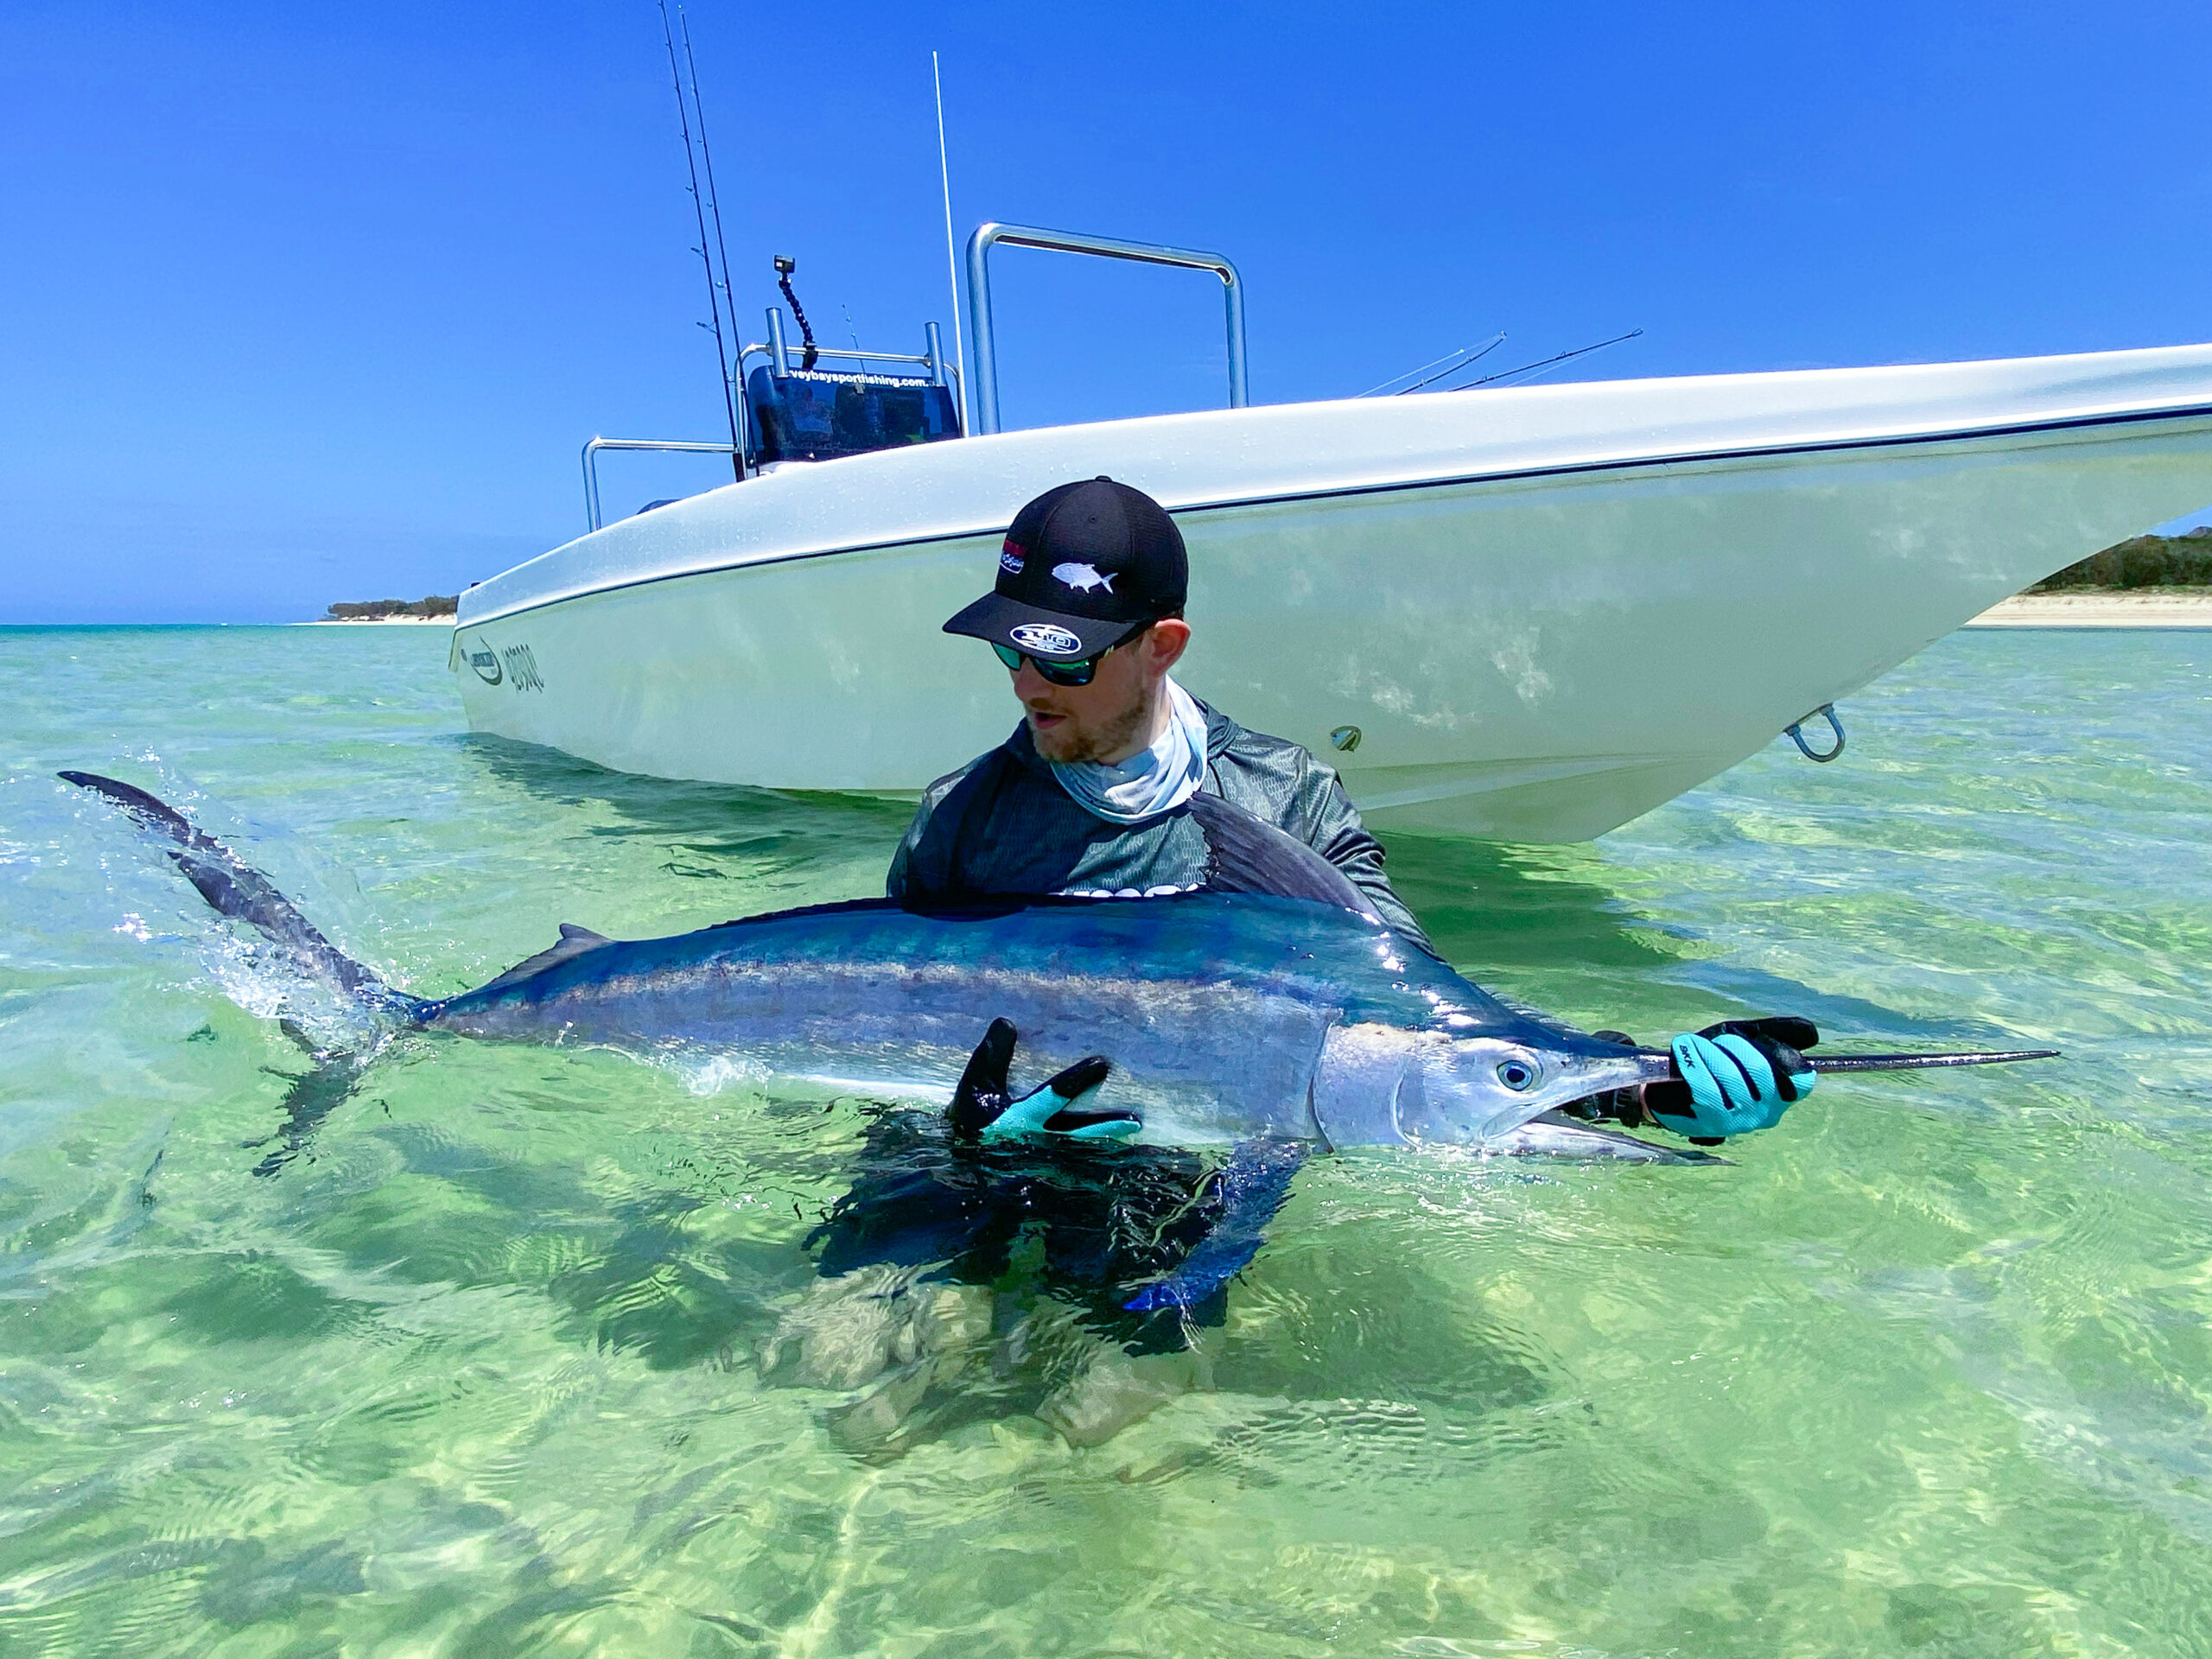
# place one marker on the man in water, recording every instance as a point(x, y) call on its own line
point(1082, 799)
point(1087, 616)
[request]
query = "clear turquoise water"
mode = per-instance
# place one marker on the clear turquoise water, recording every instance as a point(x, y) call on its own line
point(1926, 1372)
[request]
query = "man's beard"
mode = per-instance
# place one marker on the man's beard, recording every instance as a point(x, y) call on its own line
point(1090, 748)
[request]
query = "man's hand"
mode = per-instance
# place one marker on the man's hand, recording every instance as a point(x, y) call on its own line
point(1050, 1111)
point(982, 1109)
point(1738, 1076)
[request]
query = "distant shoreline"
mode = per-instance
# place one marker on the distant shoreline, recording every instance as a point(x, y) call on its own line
point(2138, 607)
point(376, 622)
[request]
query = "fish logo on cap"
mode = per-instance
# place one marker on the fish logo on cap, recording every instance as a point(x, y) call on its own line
point(1082, 577)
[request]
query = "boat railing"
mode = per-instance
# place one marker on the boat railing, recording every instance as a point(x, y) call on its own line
point(989, 236)
point(939, 371)
point(932, 357)
point(678, 445)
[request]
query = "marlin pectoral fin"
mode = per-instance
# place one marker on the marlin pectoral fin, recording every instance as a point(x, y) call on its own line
point(1254, 1183)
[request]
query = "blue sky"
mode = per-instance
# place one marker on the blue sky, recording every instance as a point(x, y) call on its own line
point(305, 303)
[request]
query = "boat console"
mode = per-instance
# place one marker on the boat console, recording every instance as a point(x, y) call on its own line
point(811, 414)
point(789, 410)
point(781, 414)
point(816, 414)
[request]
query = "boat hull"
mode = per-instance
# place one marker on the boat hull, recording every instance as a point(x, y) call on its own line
point(1546, 611)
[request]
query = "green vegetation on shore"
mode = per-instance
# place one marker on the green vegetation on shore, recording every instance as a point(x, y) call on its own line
point(2141, 562)
point(377, 610)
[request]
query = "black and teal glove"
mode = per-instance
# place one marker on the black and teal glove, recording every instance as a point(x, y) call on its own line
point(1738, 1076)
point(983, 1108)
point(1051, 1111)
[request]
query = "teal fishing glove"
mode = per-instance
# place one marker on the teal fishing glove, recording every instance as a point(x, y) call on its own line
point(1051, 1111)
point(982, 1110)
point(1739, 1075)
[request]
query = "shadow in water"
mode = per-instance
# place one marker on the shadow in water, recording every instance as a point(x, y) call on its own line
point(1482, 902)
point(312, 1095)
point(1503, 913)
point(1507, 907)
point(645, 1272)
point(778, 827)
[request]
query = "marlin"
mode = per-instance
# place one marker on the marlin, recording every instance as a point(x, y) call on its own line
point(1271, 1011)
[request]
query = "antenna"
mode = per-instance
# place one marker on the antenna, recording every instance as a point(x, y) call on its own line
point(699, 211)
point(715, 207)
point(951, 264)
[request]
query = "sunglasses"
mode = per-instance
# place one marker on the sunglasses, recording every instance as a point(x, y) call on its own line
point(1078, 672)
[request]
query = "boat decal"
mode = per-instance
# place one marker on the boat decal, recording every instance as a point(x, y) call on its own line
point(485, 662)
point(1042, 636)
point(522, 668)
point(1081, 577)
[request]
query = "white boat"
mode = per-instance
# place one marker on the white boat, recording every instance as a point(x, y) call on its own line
point(1529, 614)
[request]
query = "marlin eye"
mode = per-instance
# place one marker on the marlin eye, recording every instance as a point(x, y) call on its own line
point(1516, 1075)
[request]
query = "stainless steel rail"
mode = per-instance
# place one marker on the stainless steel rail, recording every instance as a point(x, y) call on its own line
point(988, 236)
point(591, 462)
point(943, 371)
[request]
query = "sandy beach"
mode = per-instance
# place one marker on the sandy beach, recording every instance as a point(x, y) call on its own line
point(376, 621)
point(2152, 608)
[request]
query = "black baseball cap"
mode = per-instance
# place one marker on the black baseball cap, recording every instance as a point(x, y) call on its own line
point(1082, 567)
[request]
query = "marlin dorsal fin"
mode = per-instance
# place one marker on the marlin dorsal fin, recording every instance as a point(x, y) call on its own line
point(1252, 856)
point(573, 941)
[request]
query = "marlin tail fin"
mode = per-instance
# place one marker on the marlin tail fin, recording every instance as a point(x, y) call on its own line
point(235, 888)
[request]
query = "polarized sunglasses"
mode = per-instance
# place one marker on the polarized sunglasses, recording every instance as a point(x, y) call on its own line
point(1077, 672)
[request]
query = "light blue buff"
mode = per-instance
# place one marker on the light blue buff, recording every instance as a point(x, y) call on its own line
point(1153, 780)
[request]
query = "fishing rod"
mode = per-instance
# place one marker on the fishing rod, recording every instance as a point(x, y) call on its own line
point(1444, 373)
point(699, 211)
point(1545, 362)
point(1447, 357)
point(714, 206)
point(1458, 360)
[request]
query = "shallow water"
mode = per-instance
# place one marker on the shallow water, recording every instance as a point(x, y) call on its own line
point(471, 1367)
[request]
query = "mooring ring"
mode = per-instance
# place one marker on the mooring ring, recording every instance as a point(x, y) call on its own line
point(1807, 749)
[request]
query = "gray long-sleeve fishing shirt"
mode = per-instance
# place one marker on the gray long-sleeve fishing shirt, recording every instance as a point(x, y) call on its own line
point(1002, 823)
